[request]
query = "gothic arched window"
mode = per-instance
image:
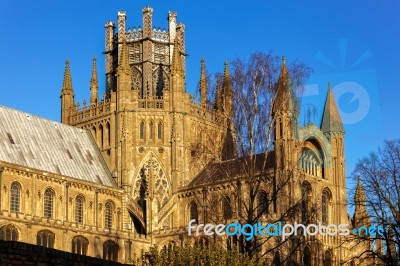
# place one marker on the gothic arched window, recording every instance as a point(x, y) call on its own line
point(311, 163)
point(161, 187)
point(79, 209)
point(48, 203)
point(227, 208)
point(151, 130)
point(45, 238)
point(194, 215)
point(79, 245)
point(108, 132)
point(94, 133)
point(159, 130)
point(325, 207)
point(9, 233)
point(101, 136)
point(307, 256)
point(15, 197)
point(108, 215)
point(328, 258)
point(110, 250)
point(262, 203)
point(142, 133)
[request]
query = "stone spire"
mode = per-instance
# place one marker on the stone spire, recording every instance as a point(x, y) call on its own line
point(227, 91)
point(67, 95)
point(67, 88)
point(217, 100)
point(331, 121)
point(203, 85)
point(281, 102)
point(361, 216)
point(229, 148)
point(94, 84)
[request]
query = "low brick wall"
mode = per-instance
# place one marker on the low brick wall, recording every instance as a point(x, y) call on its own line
point(18, 253)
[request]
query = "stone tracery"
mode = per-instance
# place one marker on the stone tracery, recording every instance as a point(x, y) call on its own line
point(152, 182)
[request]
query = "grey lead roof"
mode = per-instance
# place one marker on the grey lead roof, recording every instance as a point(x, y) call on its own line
point(49, 146)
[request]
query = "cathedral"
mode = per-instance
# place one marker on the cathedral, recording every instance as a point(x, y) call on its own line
point(131, 168)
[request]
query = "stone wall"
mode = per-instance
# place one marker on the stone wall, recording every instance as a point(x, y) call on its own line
point(18, 253)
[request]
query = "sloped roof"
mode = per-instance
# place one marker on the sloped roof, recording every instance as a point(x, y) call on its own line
point(231, 169)
point(49, 146)
point(331, 121)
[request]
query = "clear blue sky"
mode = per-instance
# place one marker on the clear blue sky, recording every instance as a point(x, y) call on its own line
point(353, 44)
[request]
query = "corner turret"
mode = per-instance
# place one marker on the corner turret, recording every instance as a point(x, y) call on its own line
point(203, 85)
point(67, 94)
point(94, 85)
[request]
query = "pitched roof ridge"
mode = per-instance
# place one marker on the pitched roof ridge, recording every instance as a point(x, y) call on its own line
point(40, 117)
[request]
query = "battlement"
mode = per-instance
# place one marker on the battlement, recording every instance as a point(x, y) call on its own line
point(90, 112)
point(151, 103)
point(160, 35)
point(206, 113)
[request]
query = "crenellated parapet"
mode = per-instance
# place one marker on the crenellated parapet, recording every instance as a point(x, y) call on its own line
point(206, 113)
point(91, 112)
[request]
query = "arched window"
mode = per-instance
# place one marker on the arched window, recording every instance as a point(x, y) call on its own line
point(79, 209)
point(94, 132)
point(262, 203)
point(151, 130)
point(48, 203)
point(328, 258)
point(45, 238)
point(79, 245)
point(9, 233)
point(193, 212)
point(305, 196)
point(101, 136)
point(110, 250)
point(226, 207)
point(307, 256)
point(311, 163)
point(15, 197)
point(108, 134)
point(325, 207)
point(108, 215)
point(142, 133)
point(159, 130)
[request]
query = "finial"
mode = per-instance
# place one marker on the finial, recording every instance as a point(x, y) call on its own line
point(94, 70)
point(176, 58)
point(124, 59)
point(94, 87)
point(67, 82)
point(226, 69)
point(284, 72)
point(202, 70)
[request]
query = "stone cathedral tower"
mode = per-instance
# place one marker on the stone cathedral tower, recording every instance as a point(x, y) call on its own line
point(150, 131)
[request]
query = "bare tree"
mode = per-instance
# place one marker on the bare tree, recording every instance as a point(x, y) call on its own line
point(257, 176)
point(377, 202)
